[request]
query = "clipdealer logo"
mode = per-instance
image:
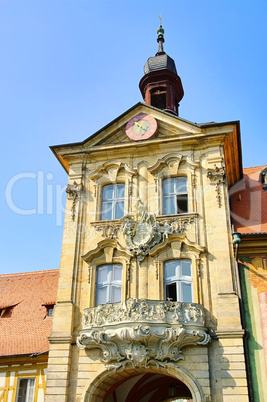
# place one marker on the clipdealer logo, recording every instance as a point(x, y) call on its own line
point(48, 197)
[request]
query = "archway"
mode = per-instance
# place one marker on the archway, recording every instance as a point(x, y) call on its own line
point(148, 387)
point(144, 385)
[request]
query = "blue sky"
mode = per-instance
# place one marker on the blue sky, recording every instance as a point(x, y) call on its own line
point(70, 67)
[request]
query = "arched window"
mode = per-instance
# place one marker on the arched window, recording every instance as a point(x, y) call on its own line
point(108, 283)
point(178, 280)
point(112, 206)
point(175, 195)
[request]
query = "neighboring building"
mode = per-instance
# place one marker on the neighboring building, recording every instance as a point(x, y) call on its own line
point(149, 306)
point(249, 214)
point(26, 307)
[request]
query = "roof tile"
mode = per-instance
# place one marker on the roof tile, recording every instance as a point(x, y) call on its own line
point(24, 330)
point(249, 203)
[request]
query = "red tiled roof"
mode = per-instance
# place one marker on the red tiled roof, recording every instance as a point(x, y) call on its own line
point(249, 203)
point(25, 329)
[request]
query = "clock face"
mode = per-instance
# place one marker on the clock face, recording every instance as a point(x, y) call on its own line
point(141, 127)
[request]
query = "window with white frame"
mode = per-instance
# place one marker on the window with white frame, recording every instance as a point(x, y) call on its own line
point(112, 205)
point(178, 282)
point(108, 283)
point(175, 195)
point(25, 390)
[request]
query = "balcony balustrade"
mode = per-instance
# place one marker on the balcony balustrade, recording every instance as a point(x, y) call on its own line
point(141, 332)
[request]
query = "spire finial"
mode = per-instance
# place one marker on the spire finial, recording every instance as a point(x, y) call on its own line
point(160, 39)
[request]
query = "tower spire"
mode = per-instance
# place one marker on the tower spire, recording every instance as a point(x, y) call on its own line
point(161, 86)
point(160, 39)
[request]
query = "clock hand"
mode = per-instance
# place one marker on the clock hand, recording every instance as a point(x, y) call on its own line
point(140, 126)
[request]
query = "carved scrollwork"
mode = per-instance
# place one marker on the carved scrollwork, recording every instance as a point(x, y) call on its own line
point(142, 332)
point(73, 191)
point(178, 223)
point(108, 230)
point(217, 177)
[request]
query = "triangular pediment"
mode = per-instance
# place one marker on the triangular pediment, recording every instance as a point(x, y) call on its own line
point(170, 127)
point(114, 132)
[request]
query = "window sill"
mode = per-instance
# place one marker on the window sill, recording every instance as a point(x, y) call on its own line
point(186, 215)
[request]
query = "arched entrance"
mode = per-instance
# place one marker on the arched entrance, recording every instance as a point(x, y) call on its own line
point(144, 385)
point(148, 387)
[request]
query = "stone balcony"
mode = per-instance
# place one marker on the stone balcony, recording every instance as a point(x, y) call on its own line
point(140, 332)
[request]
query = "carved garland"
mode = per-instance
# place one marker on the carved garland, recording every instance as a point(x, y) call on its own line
point(217, 177)
point(73, 191)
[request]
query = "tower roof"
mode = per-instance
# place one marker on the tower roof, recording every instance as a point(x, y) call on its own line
point(161, 60)
point(161, 86)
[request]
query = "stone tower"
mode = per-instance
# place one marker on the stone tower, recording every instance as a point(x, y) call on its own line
point(147, 306)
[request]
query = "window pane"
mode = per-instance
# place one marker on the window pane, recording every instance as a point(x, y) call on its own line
point(106, 213)
point(187, 292)
point(31, 390)
point(120, 191)
point(22, 390)
point(101, 295)
point(169, 205)
point(117, 273)
point(186, 268)
point(182, 203)
point(102, 274)
point(119, 210)
point(181, 185)
point(168, 186)
point(107, 193)
point(170, 269)
point(116, 294)
point(171, 292)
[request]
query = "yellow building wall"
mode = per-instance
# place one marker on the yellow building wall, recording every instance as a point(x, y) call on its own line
point(13, 370)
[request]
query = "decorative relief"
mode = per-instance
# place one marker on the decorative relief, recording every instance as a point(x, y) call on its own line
point(217, 177)
point(178, 223)
point(142, 232)
point(140, 332)
point(73, 191)
point(108, 230)
point(172, 161)
point(157, 269)
point(156, 181)
point(112, 168)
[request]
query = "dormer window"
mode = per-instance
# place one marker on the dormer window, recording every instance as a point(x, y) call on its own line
point(263, 178)
point(49, 310)
point(112, 206)
point(6, 312)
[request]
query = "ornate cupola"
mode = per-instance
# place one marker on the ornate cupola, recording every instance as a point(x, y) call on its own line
point(161, 86)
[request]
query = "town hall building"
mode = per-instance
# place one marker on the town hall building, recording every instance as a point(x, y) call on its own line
point(161, 290)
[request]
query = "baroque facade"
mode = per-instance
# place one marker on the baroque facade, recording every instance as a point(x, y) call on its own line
point(156, 294)
point(147, 305)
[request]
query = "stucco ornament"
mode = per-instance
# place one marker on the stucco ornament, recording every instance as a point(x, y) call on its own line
point(142, 231)
point(73, 191)
point(141, 333)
